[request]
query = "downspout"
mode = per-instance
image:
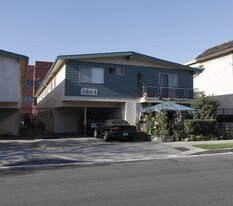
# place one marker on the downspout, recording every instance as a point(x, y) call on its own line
point(85, 121)
point(232, 70)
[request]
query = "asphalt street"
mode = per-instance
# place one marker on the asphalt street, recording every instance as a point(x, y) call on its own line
point(193, 181)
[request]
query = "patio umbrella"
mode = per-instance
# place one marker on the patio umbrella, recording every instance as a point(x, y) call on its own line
point(167, 106)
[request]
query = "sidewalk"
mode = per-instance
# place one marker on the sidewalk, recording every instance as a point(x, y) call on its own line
point(195, 150)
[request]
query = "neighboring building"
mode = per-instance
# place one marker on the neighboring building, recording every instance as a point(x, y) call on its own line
point(13, 70)
point(35, 75)
point(41, 70)
point(27, 107)
point(80, 89)
point(217, 77)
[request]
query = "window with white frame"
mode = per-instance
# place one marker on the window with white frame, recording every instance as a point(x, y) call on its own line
point(116, 71)
point(91, 75)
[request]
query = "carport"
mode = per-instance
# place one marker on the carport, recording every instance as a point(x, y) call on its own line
point(93, 115)
point(78, 117)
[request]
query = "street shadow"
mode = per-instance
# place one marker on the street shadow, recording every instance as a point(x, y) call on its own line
point(16, 171)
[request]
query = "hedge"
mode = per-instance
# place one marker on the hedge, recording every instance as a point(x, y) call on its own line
point(200, 127)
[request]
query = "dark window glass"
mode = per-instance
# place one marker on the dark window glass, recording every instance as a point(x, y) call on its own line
point(28, 99)
point(29, 84)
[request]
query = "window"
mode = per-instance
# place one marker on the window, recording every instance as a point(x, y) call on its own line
point(29, 84)
point(116, 71)
point(50, 114)
point(168, 85)
point(91, 75)
point(168, 80)
point(28, 99)
point(39, 82)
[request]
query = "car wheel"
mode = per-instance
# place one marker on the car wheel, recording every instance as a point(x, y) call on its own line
point(106, 136)
point(95, 133)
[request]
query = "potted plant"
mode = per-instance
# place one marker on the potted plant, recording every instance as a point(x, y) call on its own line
point(179, 135)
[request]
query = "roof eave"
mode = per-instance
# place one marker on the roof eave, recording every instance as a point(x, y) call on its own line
point(214, 55)
point(95, 55)
point(13, 55)
point(166, 63)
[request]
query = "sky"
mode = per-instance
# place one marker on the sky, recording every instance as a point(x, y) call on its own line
point(173, 30)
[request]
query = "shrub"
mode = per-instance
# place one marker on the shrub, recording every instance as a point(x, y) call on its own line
point(200, 127)
point(148, 124)
point(207, 106)
point(200, 138)
point(227, 134)
point(155, 123)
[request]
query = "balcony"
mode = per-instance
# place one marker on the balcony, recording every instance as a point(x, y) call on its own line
point(151, 91)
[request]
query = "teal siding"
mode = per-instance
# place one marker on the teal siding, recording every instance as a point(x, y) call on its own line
point(127, 85)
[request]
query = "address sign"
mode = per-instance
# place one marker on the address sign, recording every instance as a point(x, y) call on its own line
point(89, 91)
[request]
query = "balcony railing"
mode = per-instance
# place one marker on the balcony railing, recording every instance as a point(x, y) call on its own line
point(167, 92)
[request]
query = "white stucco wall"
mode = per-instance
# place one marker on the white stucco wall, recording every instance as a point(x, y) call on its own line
point(66, 120)
point(61, 75)
point(217, 77)
point(54, 90)
point(131, 111)
point(9, 80)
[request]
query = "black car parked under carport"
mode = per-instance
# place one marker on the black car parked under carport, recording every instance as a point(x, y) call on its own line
point(115, 129)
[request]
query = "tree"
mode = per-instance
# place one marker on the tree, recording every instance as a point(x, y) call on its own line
point(207, 106)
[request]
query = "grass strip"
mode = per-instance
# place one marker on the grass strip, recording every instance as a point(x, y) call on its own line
point(215, 146)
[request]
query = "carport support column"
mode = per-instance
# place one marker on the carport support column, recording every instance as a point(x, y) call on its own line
point(85, 121)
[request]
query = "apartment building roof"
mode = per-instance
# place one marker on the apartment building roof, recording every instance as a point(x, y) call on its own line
point(213, 52)
point(12, 55)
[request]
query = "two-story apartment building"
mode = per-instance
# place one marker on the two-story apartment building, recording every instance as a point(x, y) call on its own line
point(217, 77)
point(80, 88)
point(13, 70)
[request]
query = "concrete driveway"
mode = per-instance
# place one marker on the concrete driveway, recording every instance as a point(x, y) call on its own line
point(86, 151)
